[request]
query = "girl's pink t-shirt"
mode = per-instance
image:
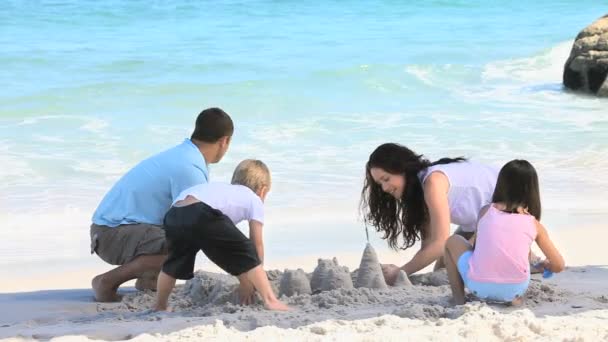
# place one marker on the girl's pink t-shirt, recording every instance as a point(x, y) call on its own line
point(502, 247)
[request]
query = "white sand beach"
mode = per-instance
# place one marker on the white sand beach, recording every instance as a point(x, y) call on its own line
point(94, 88)
point(572, 306)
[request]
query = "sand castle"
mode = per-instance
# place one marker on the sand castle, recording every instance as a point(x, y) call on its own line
point(294, 282)
point(337, 278)
point(213, 288)
point(402, 280)
point(370, 273)
point(329, 275)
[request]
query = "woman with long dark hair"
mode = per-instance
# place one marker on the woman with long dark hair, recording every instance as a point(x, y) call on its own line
point(408, 198)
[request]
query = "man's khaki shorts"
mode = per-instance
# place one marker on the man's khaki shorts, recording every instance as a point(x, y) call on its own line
point(122, 244)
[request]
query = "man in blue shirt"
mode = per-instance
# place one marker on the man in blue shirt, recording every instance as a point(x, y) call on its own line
point(126, 227)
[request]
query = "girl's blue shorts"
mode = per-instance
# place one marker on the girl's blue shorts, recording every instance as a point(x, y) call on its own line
point(489, 291)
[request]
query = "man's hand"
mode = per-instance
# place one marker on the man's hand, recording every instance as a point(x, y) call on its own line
point(246, 292)
point(390, 272)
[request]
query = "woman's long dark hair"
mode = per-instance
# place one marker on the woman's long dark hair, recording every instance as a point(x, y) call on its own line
point(408, 216)
point(517, 186)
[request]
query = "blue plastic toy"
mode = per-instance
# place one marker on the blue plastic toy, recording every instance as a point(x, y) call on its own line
point(546, 272)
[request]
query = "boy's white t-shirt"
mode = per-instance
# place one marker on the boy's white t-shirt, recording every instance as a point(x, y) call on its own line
point(238, 202)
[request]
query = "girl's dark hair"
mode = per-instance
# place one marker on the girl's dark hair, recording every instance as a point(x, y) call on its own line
point(407, 216)
point(517, 186)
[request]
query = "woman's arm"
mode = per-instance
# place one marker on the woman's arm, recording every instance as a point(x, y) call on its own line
point(436, 189)
point(256, 236)
point(555, 261)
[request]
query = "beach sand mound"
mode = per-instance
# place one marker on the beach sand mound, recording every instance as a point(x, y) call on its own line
point(211, 295)
point(437, 278)
point(568, 307)
point(326, 293)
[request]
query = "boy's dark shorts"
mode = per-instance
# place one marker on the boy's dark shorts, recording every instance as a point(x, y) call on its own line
point(199, 227)
point(120, 245)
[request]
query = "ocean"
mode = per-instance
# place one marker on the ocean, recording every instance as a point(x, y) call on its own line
point(91, 88)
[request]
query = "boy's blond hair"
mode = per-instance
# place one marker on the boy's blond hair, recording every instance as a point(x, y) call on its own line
point(253, 174)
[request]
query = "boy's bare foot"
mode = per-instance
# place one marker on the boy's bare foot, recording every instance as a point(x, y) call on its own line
point(276, 305)
point(147, 281)
point(103, 292)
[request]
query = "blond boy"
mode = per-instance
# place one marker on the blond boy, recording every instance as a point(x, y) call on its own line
point(204, 217)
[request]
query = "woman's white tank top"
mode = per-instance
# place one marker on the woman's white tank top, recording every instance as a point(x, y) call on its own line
point(471, 187)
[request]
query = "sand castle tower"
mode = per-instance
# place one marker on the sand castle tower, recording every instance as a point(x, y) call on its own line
point(211, 288)
point(370, 273)
point(337, 278)
point(294, 282)
point(329, 275)
point(402, 280)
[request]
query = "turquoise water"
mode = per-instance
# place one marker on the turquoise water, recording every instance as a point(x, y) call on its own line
point(91, 88)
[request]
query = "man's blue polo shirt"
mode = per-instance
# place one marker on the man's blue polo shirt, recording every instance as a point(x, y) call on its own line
point(145, 193)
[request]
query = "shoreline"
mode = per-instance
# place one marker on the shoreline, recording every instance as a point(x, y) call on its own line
point(79, 275)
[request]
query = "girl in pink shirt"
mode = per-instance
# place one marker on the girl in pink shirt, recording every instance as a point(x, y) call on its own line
point(496, 266)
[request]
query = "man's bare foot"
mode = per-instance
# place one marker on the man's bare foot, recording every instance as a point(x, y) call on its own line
point(104, 292)
point(276, 305)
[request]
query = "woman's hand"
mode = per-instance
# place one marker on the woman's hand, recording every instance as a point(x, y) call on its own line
point(390, 272)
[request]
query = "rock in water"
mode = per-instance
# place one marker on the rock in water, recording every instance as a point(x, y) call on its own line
point(370, 273)
point(294, 282)
point(402, 280)
point(587, 67)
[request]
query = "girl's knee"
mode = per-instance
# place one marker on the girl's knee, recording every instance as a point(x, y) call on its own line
point(456, 245)
point(453, 241)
